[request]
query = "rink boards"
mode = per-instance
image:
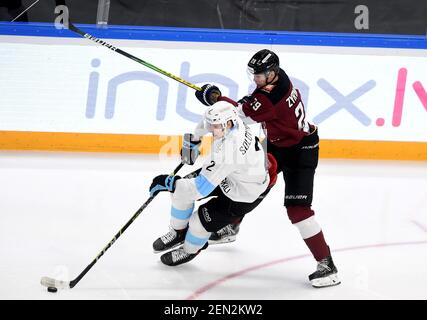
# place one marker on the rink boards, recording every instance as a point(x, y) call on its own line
point(152, 144)
point(367, 94)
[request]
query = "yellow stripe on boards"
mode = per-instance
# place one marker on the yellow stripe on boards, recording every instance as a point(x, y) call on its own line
point(92, 142)
point(137, 143)
point(375, 150)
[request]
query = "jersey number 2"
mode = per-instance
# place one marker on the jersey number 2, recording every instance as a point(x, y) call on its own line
point(210, 166)
point(299, 113)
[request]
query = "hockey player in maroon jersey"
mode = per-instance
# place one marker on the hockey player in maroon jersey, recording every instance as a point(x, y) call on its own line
point(294, 143)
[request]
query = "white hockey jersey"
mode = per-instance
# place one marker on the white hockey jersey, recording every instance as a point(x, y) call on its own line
point(236, 164)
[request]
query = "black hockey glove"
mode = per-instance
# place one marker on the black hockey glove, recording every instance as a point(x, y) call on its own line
point(163, 182)
point(245, 99)
point(190, 149)
point(208, 95)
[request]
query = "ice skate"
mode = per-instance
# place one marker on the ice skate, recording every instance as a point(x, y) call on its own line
point(225, 235)
point(325, 275)
point(179, 256)
point(170, 240)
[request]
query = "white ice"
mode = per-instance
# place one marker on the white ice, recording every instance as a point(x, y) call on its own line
point(58, 210)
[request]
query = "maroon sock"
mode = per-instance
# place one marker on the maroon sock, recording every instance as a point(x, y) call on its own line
point(318, 246)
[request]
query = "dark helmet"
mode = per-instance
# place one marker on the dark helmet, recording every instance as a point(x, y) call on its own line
point(263, 61)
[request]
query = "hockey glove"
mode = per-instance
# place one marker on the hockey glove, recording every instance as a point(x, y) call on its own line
point(163, 182)
point(208, 95)
point(245, 99)
point(190, 149)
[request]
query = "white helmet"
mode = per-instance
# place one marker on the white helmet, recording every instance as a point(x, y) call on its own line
point(220, 113)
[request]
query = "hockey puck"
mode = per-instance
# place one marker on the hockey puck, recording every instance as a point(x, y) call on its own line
point(52, 289)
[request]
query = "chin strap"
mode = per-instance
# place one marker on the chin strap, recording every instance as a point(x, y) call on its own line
point(272, 81)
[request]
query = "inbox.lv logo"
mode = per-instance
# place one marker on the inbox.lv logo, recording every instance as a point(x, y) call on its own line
point(163, 85)
point(346, 102)
point(400, 95)
point(342, 102)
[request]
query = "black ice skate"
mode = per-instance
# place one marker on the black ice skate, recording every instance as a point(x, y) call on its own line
point(179, 256)
point(325, 275)
point(225, 235)
point(170, 240)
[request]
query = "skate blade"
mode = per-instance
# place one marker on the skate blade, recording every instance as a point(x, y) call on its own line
point(167, 249)
point(328, 281)
point(223, 240)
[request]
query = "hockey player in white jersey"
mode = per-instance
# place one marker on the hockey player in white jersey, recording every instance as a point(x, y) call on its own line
point(235, 174)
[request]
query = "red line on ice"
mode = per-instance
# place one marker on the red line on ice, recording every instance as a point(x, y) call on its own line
point(419, 225)
point(197, 293)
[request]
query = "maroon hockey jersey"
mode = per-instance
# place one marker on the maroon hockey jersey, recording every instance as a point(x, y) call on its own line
point(279, 108)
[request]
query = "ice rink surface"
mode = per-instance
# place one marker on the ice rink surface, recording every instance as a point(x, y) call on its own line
point(58, 210)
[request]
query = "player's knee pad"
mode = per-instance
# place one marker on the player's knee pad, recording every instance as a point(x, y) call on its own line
point(299, 213)
point(206, 219)
point(196, 227)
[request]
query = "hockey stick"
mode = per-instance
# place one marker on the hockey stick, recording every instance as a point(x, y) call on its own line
point(59, 284)
point(128, 55)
